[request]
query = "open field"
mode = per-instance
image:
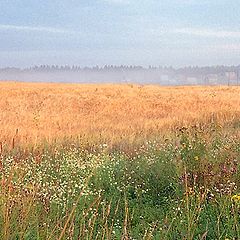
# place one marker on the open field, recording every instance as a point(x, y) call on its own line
point(110, 113)
point(179, 178)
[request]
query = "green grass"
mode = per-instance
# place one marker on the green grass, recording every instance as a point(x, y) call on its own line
point(176, 188)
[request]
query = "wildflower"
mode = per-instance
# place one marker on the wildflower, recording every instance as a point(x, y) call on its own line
point(236, 198)
point(189, 191)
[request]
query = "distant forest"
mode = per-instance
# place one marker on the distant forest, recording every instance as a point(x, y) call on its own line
point(192, 75)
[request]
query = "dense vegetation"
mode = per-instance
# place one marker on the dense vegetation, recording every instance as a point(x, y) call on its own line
point(185, 186)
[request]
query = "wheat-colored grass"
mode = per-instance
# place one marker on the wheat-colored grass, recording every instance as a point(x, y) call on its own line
point(112, 112)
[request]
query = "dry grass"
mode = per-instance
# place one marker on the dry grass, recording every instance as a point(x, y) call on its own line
point(112, 112)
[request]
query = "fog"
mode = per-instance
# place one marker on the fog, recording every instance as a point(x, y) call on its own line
point(140, 77)
point(218, 75)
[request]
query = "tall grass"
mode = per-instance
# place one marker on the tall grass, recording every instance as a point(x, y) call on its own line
point(107, 113)
point(185, 186)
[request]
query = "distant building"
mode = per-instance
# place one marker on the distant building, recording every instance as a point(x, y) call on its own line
point(211, 79)
point(164, 79)
point(191, 81)
point(231, 78)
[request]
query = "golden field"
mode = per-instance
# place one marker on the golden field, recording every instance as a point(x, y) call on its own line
point(115, 113)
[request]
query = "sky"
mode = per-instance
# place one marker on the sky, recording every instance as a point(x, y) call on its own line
point(129, 32)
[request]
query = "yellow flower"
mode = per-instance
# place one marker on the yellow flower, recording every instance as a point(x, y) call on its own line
point(196, 158)
point(236, 198)
point(190, 191)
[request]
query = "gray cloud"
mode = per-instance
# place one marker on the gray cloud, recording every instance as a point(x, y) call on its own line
point(207, 32)
point(33, 28)
point(119, 2)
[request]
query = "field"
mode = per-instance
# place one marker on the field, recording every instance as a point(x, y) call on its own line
point(109, 113)
point(119, 162)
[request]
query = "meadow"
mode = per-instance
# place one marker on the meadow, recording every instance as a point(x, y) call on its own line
point(108, 113)
point(119, 162)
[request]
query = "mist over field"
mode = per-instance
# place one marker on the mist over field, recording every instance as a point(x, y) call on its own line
point(218, 75)
point(139, 77)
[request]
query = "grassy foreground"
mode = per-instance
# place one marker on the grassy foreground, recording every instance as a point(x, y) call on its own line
point(182, 187)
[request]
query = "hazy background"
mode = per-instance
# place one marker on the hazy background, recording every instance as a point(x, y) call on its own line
point(218, 75)
point(173, 33)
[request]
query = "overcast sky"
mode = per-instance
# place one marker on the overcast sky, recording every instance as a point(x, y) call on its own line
point(137, 32)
